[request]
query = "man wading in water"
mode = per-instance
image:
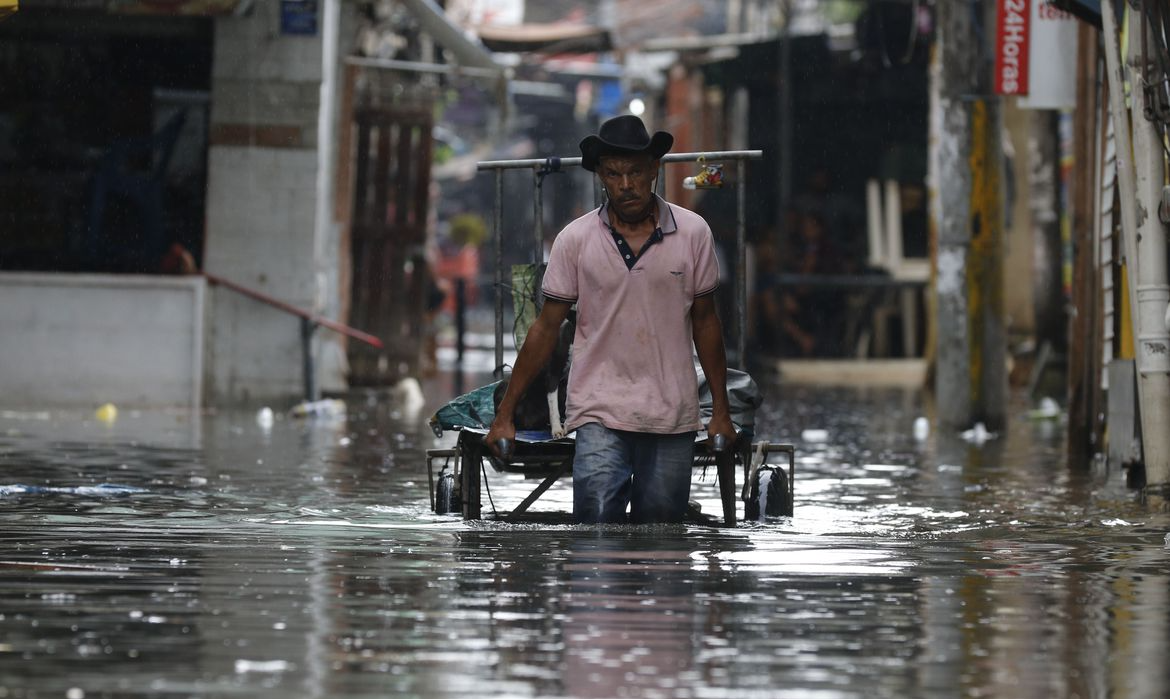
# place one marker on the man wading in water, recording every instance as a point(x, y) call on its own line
point(643, 274)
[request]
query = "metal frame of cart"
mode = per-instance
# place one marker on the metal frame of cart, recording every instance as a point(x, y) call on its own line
point(552, 460)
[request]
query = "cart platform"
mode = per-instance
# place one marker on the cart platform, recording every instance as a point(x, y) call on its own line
point(464, 469)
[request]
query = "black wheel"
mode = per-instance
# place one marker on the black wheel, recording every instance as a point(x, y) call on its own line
point(446, 494)
point(770, 496)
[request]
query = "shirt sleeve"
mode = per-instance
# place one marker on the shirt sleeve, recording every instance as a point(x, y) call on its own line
point(706, 264)
point(560, 277)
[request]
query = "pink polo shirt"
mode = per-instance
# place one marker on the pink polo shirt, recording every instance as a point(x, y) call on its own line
point(633, 355)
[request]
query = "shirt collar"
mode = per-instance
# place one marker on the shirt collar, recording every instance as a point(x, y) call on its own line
point(665, 216)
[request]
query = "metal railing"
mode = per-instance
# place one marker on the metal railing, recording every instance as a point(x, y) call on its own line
point(309, 323)
point(545, 166)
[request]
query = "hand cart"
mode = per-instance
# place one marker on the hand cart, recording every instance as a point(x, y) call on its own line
point(456, 486)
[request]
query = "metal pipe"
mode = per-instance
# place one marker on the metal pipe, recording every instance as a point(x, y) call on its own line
point(421, 67)
point(538, 217)
point(499, 286)
point(358, 335)
point(460, 320)
point(668, 158)
point(741, 266)
point(309, 372)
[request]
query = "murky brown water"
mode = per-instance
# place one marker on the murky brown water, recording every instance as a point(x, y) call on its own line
point(303, 561)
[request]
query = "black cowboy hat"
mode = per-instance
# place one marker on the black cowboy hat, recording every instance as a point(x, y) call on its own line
point(623, 135)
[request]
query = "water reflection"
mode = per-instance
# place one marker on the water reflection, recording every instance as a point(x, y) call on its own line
point(632, 618)
point(301, 559)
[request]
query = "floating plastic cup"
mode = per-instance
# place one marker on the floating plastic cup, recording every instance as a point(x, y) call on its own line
point(107, 413)
point(815, 435)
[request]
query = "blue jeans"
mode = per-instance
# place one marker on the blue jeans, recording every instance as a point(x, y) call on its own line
point(651, 473)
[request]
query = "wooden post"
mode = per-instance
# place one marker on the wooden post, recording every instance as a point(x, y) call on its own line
point(1083, 363)
point(966, 166)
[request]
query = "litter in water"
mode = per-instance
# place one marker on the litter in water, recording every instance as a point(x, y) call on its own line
point(328, 407)
point(978, 434)
point(815, 435)
point(264, 418)
point(102, 490)
point(107, 413)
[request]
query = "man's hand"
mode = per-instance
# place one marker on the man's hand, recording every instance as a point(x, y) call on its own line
point(502, 428)
point(720, 424)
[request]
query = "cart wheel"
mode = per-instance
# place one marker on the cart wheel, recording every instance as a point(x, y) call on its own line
point(446, 494)
point(769, 495)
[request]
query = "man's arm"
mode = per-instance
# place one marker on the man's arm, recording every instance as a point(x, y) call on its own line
point(538, 347)
point(708, 335)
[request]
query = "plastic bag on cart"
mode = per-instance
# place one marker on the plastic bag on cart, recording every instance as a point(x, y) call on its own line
point(476, 409)
point(743, 397)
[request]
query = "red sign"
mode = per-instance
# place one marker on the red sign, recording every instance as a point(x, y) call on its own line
point(1011, 46)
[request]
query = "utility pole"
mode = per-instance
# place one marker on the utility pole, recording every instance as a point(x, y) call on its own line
point(1149, 259)
point(1140, 179)
point(966, 163)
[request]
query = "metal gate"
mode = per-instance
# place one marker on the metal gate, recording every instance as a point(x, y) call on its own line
point(388, 238)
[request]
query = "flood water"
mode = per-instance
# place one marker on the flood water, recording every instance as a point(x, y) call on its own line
point(179, 555)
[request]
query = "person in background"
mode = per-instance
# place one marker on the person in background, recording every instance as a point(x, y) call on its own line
point(810, 317)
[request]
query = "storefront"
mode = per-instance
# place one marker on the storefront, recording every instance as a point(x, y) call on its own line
point(103, 135)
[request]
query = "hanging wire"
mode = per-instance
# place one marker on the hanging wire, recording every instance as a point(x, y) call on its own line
point(1156, 108)
point(487, 488)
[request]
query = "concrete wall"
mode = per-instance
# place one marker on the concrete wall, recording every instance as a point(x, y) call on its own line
point(265, 225)
point(84, 340)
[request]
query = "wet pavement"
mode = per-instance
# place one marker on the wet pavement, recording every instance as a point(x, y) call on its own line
point(177, 555)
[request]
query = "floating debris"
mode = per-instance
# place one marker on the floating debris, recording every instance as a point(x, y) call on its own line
point(815, 435)
point(265, 418)
point(1048, 409)
point(327, 407)
point(978, 434)
point(102, 490)
point(244, 666)
point(107, 413)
